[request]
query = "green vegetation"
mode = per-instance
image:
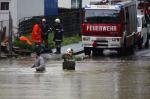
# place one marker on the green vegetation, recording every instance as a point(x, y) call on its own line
point(66, 41)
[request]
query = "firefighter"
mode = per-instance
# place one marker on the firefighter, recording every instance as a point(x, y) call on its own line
point(58, 35)
point(69, 55)
point(45, 31)
point(39, 63)
point(69, 60)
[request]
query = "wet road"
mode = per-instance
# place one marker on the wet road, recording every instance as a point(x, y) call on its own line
point(107, 77)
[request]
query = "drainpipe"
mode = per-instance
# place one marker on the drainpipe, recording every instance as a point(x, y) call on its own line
point(80, 16)
point(10, 34)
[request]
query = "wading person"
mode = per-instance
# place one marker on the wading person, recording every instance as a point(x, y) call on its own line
point(39, 63)
point(69, 60)
point(58, 35)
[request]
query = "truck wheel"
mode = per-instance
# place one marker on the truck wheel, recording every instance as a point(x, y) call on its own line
point(120, 51)
point(147, 43)
point(139, 43)
point(131, 49)
point(96, 52)
point(87, 51)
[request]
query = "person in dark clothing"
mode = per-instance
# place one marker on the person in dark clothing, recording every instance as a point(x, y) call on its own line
point(58, 35)
point(45, 31)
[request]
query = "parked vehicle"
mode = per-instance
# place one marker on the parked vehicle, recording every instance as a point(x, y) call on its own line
point(109, 27)
point(143, 40)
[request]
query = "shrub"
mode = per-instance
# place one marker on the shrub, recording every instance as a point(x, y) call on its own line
point(66, 41)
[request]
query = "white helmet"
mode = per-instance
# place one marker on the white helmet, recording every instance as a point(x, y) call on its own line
point(43, 20)
point(57, 20)
point(69, 50)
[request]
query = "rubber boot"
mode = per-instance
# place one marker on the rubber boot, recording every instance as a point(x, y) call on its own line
point(57, 50)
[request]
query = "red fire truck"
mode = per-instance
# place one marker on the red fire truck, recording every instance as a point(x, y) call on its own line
point(109, 27)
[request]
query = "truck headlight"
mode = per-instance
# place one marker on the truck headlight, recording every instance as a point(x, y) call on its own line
point(115, 39)
point(86, 39)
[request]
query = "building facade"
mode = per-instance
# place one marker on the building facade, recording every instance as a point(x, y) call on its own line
point(20, 9)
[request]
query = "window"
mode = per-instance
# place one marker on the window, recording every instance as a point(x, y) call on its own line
point(4, 5)
point(102, 16)
point(74, 3)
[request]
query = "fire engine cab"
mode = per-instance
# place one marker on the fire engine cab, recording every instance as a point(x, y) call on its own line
point(109, 27)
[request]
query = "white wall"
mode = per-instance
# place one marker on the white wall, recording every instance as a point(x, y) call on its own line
point(64, 3)
point(28, 8)
point(24, 8)
point(67, 3)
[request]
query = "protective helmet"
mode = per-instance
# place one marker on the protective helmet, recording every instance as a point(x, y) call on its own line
point(69, 50)
point(43, 20)
point(57, 20)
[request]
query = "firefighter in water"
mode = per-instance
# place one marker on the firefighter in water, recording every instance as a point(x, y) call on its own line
point(69, 60)
point(69, 55)
point(58, 35)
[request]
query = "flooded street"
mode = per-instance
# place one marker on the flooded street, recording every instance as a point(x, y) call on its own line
point(105, 77)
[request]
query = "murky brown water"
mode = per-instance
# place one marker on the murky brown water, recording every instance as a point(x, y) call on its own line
point(94, 78)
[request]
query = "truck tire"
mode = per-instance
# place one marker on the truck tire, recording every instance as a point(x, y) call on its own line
point(139, 43)
point(147, 43)
point(131, 49)
point(96, 52)
point(121, 51)
point(87, 51)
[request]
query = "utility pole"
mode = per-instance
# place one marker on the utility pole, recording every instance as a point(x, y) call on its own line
point(80, 16)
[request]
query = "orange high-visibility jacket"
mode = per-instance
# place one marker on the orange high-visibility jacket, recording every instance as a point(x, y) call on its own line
point(37, 34)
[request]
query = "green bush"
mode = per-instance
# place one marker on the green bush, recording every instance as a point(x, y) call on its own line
point(66, 41)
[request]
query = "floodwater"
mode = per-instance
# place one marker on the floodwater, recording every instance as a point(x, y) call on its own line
point(94, 78)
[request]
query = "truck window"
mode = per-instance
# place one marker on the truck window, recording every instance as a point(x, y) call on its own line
point(102, 16)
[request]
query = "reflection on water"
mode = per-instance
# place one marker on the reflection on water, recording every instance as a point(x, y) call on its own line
point(93, 79)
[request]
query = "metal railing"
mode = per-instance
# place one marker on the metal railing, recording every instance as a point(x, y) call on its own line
point(70, 20)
